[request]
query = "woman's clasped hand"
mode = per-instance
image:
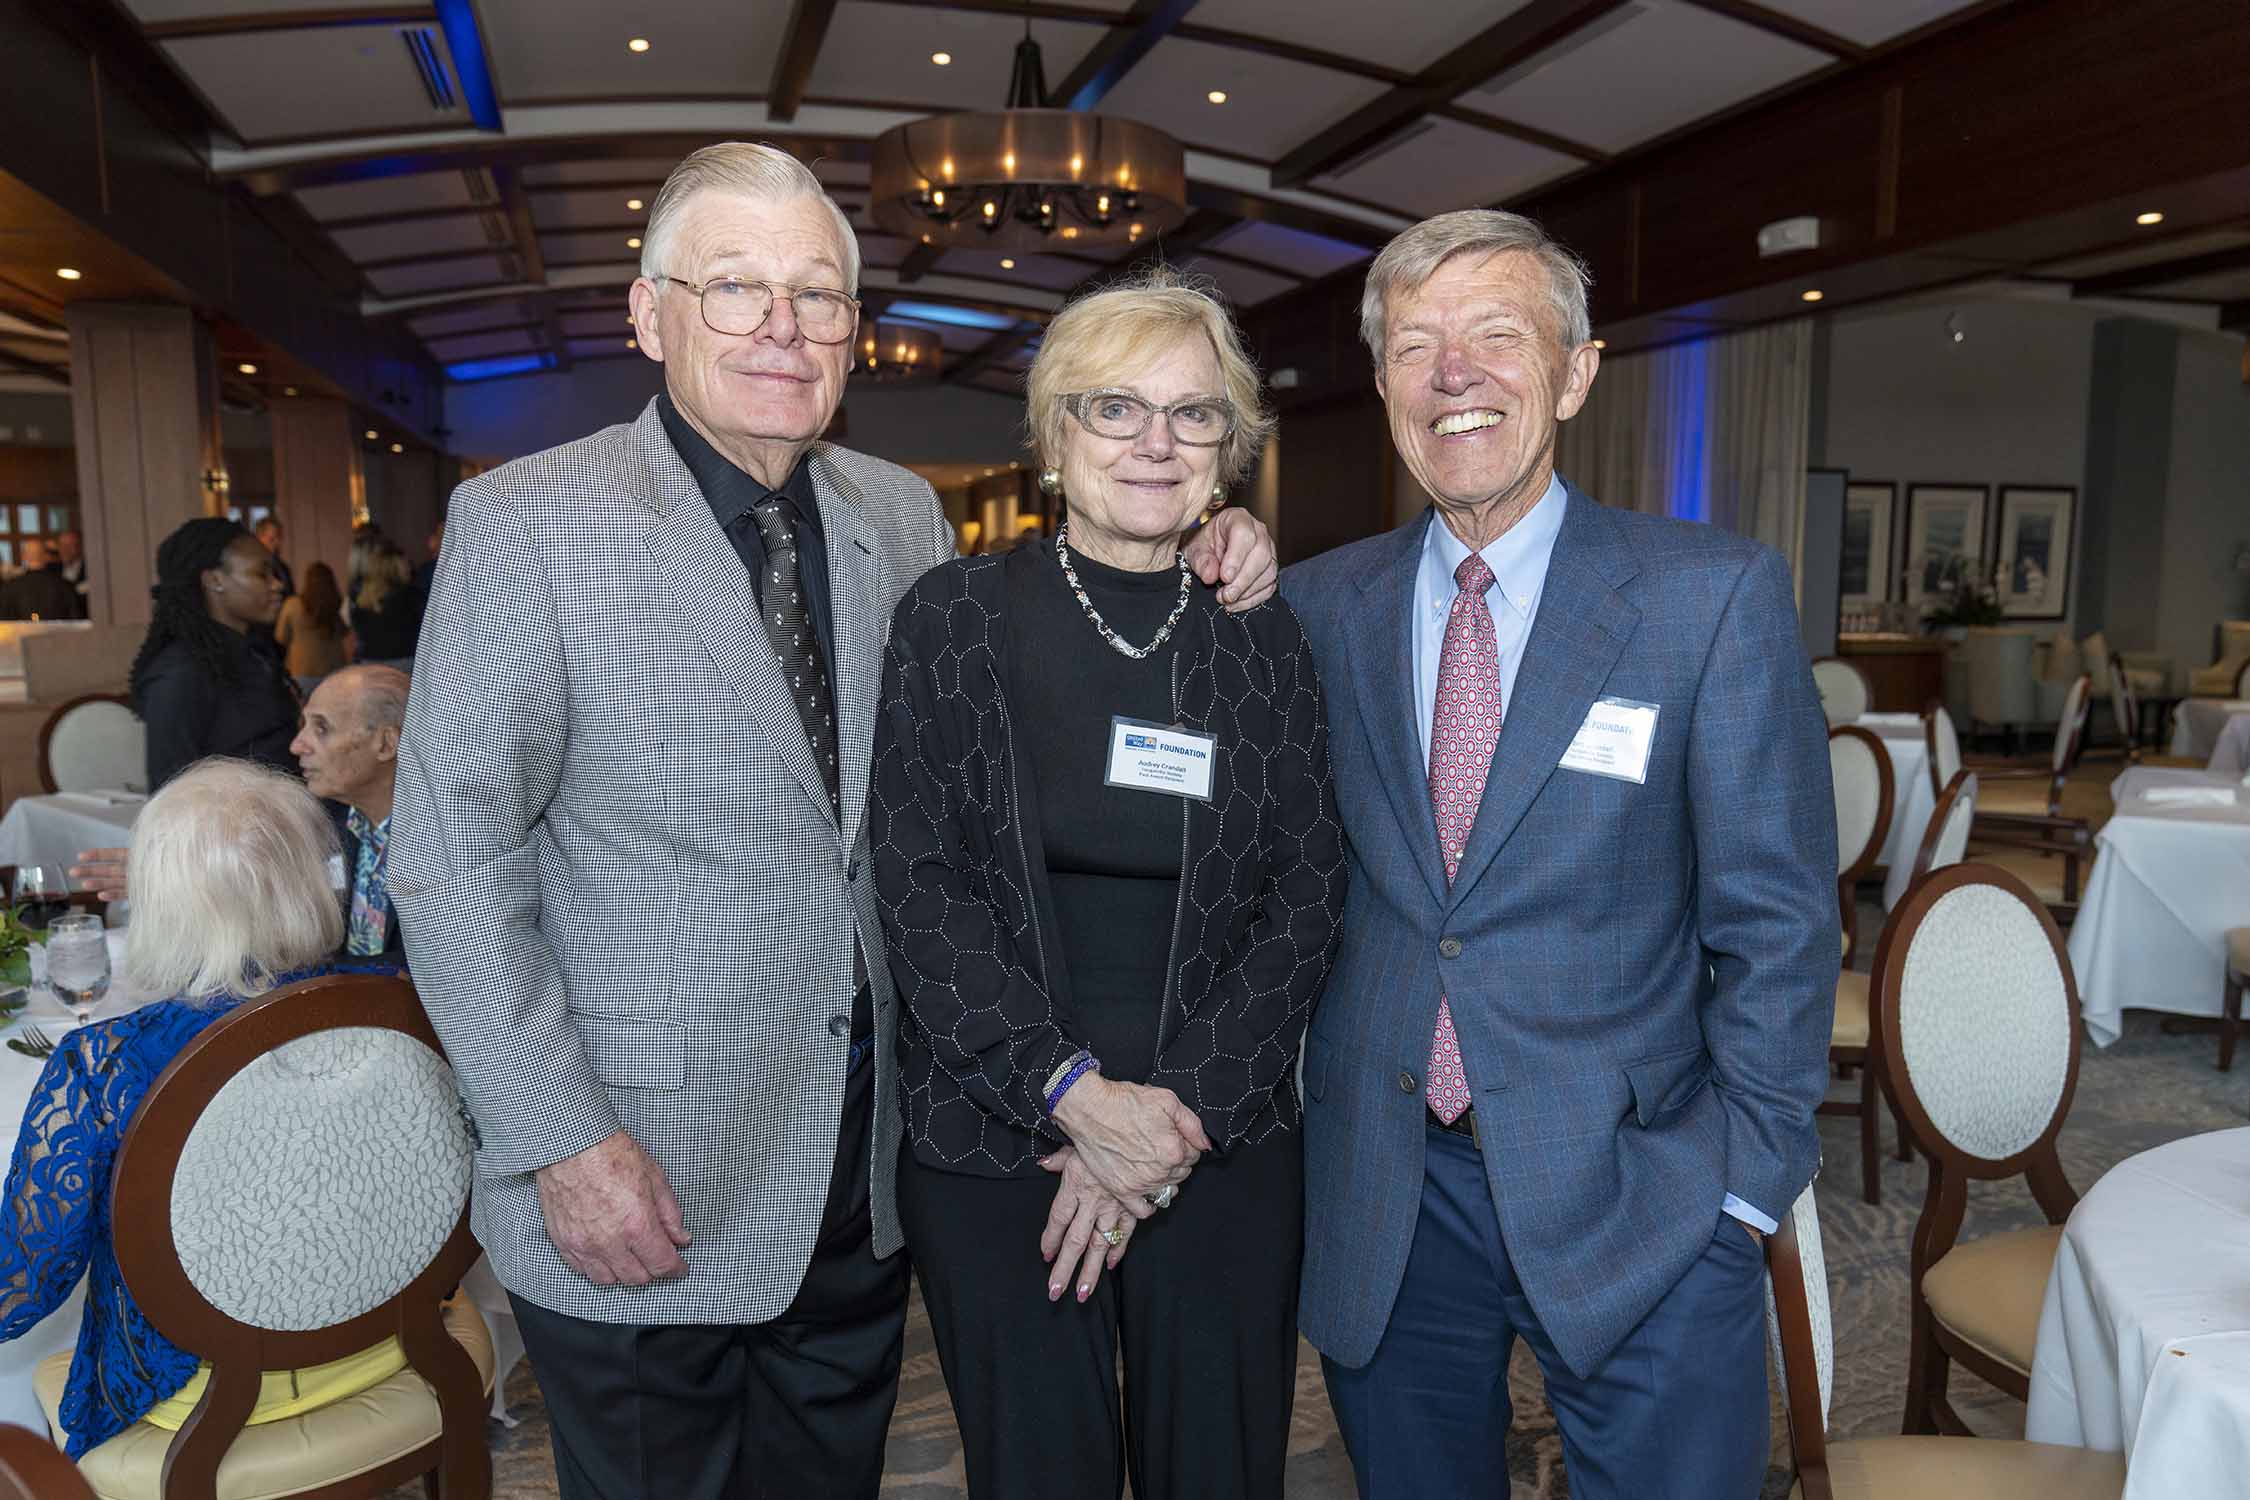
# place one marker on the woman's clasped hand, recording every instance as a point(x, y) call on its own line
point(1130, 1143)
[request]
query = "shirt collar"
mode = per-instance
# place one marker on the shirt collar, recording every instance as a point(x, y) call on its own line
point(1518, 557)
point(366, 832)
point(730, 491)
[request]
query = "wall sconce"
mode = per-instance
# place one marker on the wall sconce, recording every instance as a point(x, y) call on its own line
point(216, 481)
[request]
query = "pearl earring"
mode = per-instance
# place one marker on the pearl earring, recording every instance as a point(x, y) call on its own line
point(1050, 481)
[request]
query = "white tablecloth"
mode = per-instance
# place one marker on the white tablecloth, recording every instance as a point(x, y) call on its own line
point(2231, 755)
point(2169, 883)
point(52, 830)
point(2196, 726)
point(1911, 798)
point(2144, 1338)
point(20, 1357)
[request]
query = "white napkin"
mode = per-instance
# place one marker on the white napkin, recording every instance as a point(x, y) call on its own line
point(2189, 796)
point(107, 799)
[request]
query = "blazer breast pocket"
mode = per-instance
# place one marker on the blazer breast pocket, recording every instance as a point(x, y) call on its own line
point(634, 1052)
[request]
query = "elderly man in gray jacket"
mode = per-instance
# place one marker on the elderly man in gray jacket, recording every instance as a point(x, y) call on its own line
point(629, 862)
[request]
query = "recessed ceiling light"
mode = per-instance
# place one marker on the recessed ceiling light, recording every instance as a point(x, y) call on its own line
point(247, 368)
point(634, 243)
point(1217, 96)
point(69, 273)
point(1601, 343)
point(398, 447)
point(1812, 296)
point(637, 44)
point(634, 204)
point(371, 434)
point(2151, 217)
point(632, 343)
point(289, 390)
point(942, 59)
point(1007, 263)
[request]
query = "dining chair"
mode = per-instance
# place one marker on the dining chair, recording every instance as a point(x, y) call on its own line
point(1860, 770)
point(2125, 708)
point(1975, 1012)
point(2062, 844)
point(31, 1468)
point(93, 743)
point(1943, 742)
point(1800, 1322)
point(300, 1174)
point(1851, 1042)
point(2230, 1003)
point(1845, 693)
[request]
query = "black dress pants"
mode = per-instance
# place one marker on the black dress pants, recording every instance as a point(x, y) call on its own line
point(1203, 1310)
point(794, 1409)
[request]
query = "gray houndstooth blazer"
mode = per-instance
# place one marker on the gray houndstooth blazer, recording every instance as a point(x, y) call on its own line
point(623, 898)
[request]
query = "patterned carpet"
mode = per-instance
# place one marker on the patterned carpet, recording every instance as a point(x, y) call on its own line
point(2147, 1089)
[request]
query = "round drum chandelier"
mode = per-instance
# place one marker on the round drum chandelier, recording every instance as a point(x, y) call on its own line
point(891, 352)
point(1028, 177)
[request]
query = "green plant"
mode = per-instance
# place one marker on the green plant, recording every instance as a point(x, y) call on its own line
point(1960, 593)
point(15, 954)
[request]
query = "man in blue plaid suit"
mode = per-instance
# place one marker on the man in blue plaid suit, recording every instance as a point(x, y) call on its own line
point(1564, 1075)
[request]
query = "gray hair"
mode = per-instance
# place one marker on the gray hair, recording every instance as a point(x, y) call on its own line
point(1415, 255)
point(231, 889)
point(751, 171)
point(382, 693)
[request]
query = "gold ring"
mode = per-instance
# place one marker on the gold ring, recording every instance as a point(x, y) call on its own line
point(1115, 1237)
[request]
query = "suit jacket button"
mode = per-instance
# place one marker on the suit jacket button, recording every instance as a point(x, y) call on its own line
point(839, 1026)
point(1406, 1083)
point(1449, 947)
point(852, 873)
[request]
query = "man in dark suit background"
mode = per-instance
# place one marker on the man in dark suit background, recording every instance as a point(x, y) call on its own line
point(40, 592)
point(1564, 1075)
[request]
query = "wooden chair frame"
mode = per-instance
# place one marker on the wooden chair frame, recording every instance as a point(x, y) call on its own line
point(2242, 681)
point(2125, 708)
point(31, 1468)
point(1856, 670)
point(1932, 1350)
point(1847, 884)
point(2230, 1014)
point(47, 733)
point(2050, 832)
point(1800, 1363)
point(455, 1464)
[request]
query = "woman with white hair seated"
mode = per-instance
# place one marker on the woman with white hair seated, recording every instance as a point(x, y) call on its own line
point(231, 900)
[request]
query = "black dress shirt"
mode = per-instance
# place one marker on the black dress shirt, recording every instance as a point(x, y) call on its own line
point(252, 714)
point(731, 494)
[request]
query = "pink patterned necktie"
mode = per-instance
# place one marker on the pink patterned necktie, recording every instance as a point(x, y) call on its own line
point(1463, 731)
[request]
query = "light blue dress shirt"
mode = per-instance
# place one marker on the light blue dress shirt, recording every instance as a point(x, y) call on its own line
point(1518, 559)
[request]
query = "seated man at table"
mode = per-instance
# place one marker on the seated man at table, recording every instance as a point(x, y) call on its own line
point(348, 747)
point(230, 902)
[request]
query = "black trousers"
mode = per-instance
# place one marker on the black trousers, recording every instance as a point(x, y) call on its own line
point(1203, 1310)
point(794, 1409)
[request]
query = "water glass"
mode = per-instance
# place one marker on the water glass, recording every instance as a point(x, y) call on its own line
point(78, 962)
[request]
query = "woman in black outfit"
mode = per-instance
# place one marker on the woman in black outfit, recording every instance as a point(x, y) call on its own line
point(387, 609)
point(1112, 874)
point(208, 680)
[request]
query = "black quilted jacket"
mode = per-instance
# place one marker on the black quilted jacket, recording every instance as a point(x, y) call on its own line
point(952, 824)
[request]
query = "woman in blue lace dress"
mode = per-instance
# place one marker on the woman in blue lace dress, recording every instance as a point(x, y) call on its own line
point(231, 899)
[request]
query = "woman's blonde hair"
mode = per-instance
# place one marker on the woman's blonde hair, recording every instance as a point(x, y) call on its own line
point(230, 870)
point(383, 575)
point(1105, 336)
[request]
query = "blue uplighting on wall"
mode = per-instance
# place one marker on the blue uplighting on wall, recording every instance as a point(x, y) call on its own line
point(943, 312)
point(466, 44)
point(1691, 459)
point(490, 369)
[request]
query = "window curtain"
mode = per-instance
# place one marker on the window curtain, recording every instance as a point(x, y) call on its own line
point(1714, 430)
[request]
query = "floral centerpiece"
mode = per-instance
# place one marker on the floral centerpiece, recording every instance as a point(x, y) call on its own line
point(15, 961)
point(1960, 591)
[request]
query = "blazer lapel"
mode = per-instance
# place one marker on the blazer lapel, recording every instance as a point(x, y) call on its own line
point(1382, 672)
point(855, 569)
point(710, 587)
point(1582, 629)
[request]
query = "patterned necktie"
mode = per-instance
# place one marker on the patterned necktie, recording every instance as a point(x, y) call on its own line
point(1463, 731)
point(789, 628)
point(369, 925)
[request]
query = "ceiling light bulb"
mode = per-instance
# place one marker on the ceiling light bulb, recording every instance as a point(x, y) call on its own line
point(1007, 263)
point(69, 273)
point(1008, 163)
point(991, 209)
point(1217, 96)
point(637, 44)
point(1812, 296)
point(398, 447)
point(632, 343)
point(1601, 343)
point(938, 199)
point(633, 243)
point(247, 368)
point(371, 434)
point(1077, 165)
point(633, 204)
point(289, 390)
point(2149, 218)
point(942, 59)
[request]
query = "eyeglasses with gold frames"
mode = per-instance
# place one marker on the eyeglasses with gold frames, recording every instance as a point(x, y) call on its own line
point(738, 307)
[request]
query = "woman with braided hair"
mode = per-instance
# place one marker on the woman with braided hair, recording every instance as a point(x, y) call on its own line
point(208, 680)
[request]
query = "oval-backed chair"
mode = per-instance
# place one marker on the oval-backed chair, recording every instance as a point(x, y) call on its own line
point(1845, 693)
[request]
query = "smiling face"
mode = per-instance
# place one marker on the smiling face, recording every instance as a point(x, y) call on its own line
point(1132, 499)
point(1474, 379)
point(763, 397)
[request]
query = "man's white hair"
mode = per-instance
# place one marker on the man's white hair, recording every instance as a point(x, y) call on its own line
point(1415, 255)
point(748, 170)
point(230, 883)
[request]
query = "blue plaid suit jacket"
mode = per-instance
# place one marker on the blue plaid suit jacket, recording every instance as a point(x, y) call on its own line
point(1645, 974)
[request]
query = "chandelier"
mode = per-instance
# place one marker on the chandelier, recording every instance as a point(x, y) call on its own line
point(1028, 177)
point(890, 352)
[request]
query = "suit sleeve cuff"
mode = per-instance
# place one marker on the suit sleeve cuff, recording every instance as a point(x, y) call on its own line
point(1748, 1215)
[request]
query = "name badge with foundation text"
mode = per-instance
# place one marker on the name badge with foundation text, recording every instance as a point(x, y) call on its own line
point(1159, 758)
point(1614, 740)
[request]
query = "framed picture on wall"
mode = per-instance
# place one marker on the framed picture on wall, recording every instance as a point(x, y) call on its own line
point(1865, 573)
point(1944, 538)
point(2033, 551)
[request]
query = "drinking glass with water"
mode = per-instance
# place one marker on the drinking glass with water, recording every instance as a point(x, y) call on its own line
point(78, 962)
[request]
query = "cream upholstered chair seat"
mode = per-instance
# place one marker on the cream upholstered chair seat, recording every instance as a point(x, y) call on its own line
point(2238, 950)
point(1947, 1468)
point(276, 1459)
point(1850, 1028)
point(1988, 1291)
point(2222, 677)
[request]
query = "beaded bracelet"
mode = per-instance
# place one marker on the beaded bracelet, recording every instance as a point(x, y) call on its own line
point(1077, 1068)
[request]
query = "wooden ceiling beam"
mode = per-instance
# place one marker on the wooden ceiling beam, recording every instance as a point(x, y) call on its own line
point(2158, 273)
point(1513, 40)
point(438, 257)
point(1133, 36)
point(407, 216)
point(16, 364)
point(486, 330)
point(917, 263)
point(800, 51)
point(1779, 23)
point(1288, 215)
point(310, 18)
point(551, 327)
point(516, 206)
point(1530, 135)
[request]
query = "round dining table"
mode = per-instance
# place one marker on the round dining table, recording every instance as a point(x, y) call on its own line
point(1906, 743)
point(2144, 1337)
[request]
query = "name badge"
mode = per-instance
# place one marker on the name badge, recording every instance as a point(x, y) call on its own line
point(335, 872)
point(1158, 758)
point(1614, 740)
